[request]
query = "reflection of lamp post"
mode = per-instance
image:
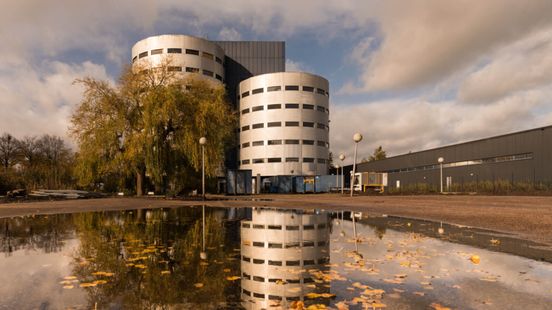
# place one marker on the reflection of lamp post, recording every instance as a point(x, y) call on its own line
point(357, 137)
point(202, 142)
point(354, 231)
point(203, 254)
point(342, 158)
point(440, 160)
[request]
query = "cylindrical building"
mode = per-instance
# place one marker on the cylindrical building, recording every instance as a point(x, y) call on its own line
point(188, 55)
point(280, 251)
point(284, 124)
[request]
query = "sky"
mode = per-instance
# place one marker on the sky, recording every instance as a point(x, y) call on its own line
point(408, 75)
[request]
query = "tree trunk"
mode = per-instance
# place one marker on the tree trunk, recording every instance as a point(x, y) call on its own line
point(139, 183)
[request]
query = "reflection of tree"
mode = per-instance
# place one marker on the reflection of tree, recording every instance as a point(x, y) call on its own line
point(379, 230)
point(154, 258)
point(46, 233)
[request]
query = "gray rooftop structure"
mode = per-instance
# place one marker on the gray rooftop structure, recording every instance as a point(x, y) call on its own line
point(245, 59)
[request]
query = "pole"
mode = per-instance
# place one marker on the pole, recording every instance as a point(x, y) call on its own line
point(203, 213)
point(203, 172)
point(441, 176)
point(354, 231)
point(342, 179)
point(354, 169)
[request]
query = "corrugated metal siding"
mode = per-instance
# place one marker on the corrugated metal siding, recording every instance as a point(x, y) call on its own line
point(538, 169)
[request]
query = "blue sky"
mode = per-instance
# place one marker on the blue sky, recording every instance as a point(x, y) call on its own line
point(408, 75)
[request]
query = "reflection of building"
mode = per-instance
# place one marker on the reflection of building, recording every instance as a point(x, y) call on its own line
point(278, 249)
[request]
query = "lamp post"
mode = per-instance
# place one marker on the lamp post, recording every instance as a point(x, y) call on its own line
point(440, 160)
point(342, 158)
point(336, 166)
point(202, 142)
point(357, 137)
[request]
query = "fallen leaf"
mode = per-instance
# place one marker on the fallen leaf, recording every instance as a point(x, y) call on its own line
point(165, 272)
point(70, 278)
point(437, 306)
point(233, 278)
point(199, 285)
point(226, 269)
point(90, 284)
point(475, 259)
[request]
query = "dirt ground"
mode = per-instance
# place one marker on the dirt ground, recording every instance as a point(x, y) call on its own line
point(528, 217)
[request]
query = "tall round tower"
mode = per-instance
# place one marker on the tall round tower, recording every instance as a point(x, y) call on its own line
point(189, 56)
point(284, 124)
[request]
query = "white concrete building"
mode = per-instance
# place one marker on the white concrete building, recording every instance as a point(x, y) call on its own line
point(278, 247)
point(284, 124)
point(189, 56)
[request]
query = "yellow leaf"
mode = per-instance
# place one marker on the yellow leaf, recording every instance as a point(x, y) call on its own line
point(199, 285)
point(233, 278)
point(141, 266)
point(475, 259)
point(70, 278)
point(165, 272)
point(437, 306)
point(376, 305)
point(99, 282)
point(226, 269)
point(90, 284)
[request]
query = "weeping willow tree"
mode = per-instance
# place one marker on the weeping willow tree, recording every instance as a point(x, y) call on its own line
point(149, 123)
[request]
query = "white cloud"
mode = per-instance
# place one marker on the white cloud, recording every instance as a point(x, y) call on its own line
point(523, 65)
point(37, 101)
point(407, 125)
point(424, 41)
point(296, 66)
point(229, 34)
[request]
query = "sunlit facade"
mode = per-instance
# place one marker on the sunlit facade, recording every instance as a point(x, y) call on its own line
point(278, 249)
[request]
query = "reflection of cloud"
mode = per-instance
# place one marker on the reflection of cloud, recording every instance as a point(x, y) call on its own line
point(512, 281)
point(43, 272)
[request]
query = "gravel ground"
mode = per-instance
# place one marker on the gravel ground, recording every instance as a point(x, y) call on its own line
point(528, 217)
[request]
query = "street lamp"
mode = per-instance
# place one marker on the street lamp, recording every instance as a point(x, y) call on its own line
point(357, 137)
point(202, 142)
point(336, 166)
point(440, 160)
point(342, 158)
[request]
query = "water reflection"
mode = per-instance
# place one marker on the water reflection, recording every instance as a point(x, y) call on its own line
point(260, 258)
point(281, 251)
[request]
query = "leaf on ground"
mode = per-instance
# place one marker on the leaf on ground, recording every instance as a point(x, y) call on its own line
point(475, 259)
point(437, 306)
point(89, 284)
point(419, 293)
point(316, 295)
point(199, 285)
point(165, 272)
point(233, 278)
point(226, 269)
point(70, 278)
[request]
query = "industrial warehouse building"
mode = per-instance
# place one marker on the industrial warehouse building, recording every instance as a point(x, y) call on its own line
point(521, 157)
point(284, 116)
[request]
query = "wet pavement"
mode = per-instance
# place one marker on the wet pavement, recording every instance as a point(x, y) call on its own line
point(263, 259)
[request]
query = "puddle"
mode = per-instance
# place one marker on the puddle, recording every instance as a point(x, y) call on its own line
point(284, 259)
